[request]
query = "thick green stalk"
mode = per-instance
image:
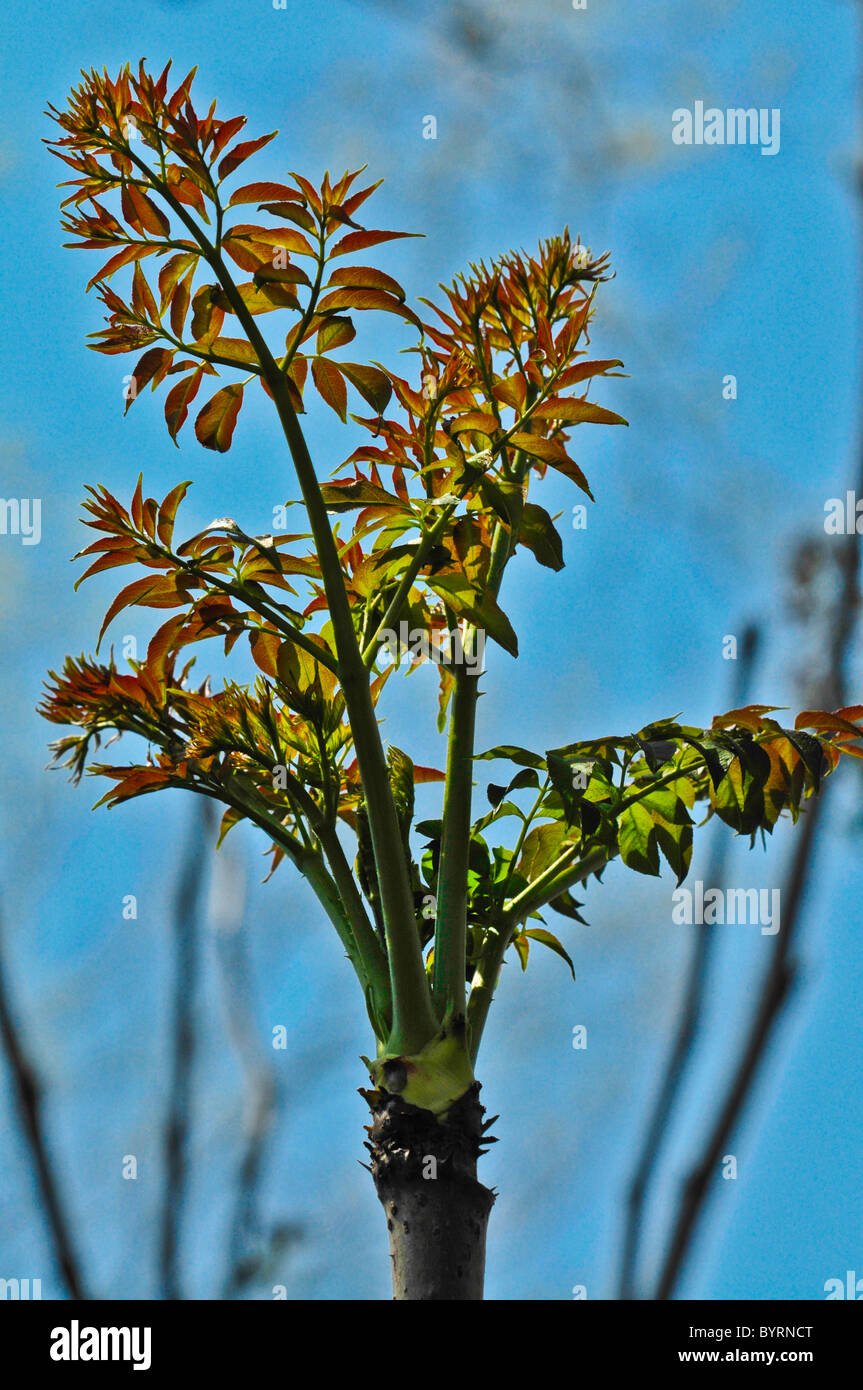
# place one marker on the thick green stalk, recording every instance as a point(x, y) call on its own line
point(451, 916)
point(414, 1021)
point(451, 913)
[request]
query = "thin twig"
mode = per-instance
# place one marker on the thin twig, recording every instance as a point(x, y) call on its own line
point(176, 1133)
point(28, 1094)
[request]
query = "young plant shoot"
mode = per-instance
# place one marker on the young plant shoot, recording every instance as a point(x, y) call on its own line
point(224, 288)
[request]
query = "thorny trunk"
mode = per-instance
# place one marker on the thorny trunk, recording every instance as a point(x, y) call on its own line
point(437, 1212)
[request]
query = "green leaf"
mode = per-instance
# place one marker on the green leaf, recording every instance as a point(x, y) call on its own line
point(636, 839)
point(522, 756)
point(537, 532)
point(567, 906)
point(541, 847)
point(549, 939)
point(481, 609)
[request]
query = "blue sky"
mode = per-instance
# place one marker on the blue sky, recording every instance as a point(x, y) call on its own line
point(727, 262)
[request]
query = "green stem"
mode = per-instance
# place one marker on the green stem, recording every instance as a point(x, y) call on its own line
point(451, 918)
point(451, 913)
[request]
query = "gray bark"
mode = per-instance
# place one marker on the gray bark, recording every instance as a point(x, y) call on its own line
point(437, 1211)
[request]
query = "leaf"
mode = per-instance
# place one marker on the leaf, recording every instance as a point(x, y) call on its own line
point(522, 946)
point(142, 296)
point(475, 420)
point(538, 533)
point(828, 723)
point(512, 390)
point(549, 939)
point(180, 303)
point(238, 351)
point(131, 594)
point(214, 426)
point(481, 609)
point(151, 367)
point(522, 756)
point(135, 252)
point(373, 385)
point(240, 153)
point(266, 294)
point(260, 193)
point(168, 512)
point(367, 278)
point(567, 906)
point(331, 386)
point(142, 212)
point(265, 238)
point(207, 314)
point(549, 451)
point(582, 370)
point(810, 751)
point(427, 774)
point(541, 847)
point(358, 241)
point(636, 839)
point(354, 493)
point(231, 817)
point(178, 400)
point(172, 272)
point(362, 299)
point(265, 651)
point(334, 333)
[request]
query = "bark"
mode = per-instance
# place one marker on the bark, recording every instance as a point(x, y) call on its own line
point(437, 1211)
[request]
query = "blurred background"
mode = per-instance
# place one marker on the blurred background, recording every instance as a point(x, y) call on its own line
point(154, 1143)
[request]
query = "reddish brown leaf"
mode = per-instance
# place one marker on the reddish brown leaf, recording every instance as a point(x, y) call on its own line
point(240, 153)
point(168, 512)
point(358, 241)
point(180, 303)
point(214, 426)
point(261, 193)
point(144, 212)
point(365, 277)
point(153, 366)
point(334, 333)
point(576, 412)
point(549, 451)
point(142, 296)
point(129, 253)
point(178, 400)
point(366, 299)
point(171, 273)
point(331, 385)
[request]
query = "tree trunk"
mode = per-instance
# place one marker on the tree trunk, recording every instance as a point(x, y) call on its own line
point(437, 1212)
